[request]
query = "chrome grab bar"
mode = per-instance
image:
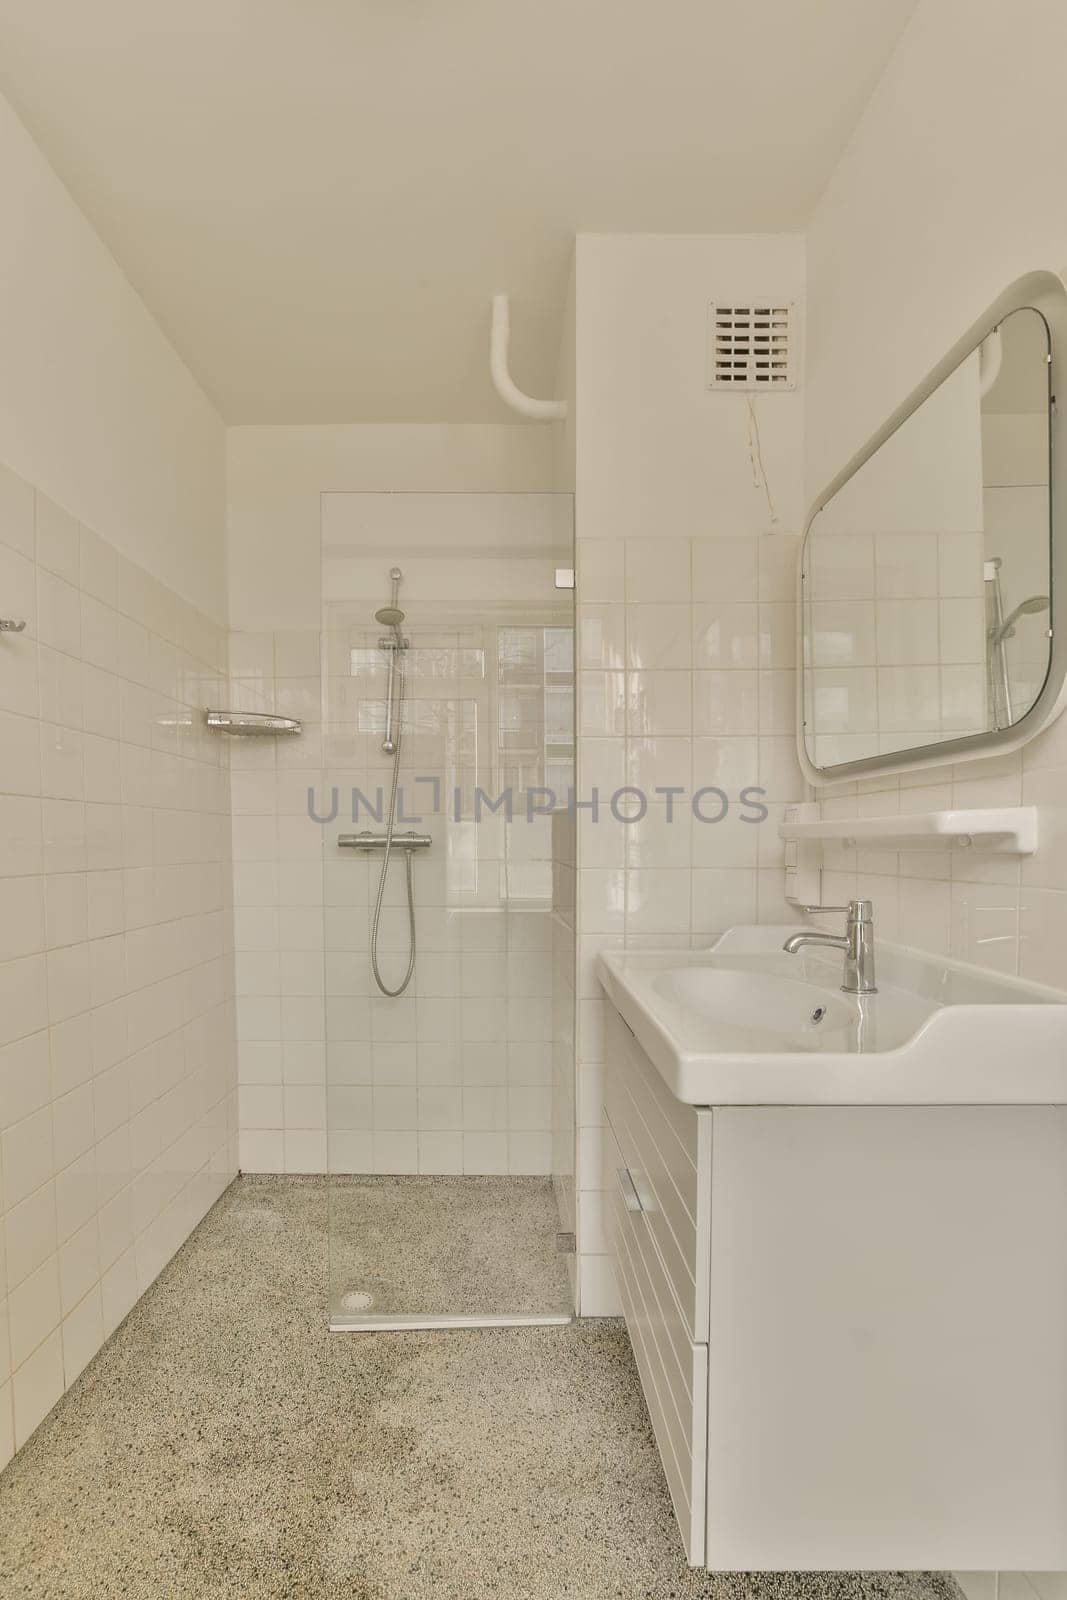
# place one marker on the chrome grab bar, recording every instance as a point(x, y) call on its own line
point(377, 841)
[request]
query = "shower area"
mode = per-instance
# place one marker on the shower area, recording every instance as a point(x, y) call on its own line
point(448, 887)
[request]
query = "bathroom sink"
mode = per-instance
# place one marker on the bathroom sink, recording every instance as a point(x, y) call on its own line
point(764, 1007)
point(746, 1024)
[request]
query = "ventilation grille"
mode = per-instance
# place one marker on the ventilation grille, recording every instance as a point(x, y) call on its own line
point(751, 346)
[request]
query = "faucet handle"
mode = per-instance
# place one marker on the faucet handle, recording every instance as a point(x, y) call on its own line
point(855, 911)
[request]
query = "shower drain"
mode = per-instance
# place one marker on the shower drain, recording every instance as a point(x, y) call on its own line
point(357, 1300)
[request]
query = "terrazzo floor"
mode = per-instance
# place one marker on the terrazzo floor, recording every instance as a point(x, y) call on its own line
point(472, 1246)
point(225, 1446)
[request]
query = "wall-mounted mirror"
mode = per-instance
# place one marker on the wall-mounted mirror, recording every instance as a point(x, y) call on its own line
point(927, 583)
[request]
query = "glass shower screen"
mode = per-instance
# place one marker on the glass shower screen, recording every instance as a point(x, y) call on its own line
point(448, 859)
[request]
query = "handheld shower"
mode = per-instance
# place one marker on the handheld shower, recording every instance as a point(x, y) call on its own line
point(1025, 608)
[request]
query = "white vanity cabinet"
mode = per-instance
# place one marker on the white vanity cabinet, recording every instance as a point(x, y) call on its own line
point(850, 1323)
point(657, 1177)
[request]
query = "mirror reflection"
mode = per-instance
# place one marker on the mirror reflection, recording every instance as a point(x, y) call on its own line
point(927, 576)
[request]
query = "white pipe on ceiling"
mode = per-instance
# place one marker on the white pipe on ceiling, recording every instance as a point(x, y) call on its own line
point(509, 392)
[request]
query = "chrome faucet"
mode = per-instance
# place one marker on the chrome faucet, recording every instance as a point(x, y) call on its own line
point(857, 942)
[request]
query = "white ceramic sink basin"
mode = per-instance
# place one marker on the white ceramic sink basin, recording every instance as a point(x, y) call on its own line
point(763, 1006)
point(745, 1024)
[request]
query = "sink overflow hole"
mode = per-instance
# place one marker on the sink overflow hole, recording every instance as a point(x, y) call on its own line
point(818, 1014)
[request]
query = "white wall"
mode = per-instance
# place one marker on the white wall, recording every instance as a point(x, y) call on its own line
point(454, 1076)
point(96, 408)
point(277, 479)
point(564, 433)
point(686, 622)
point(276, 476)
point(898, 623)
point(951, 188)
point(658, 453)
point(117, 1060)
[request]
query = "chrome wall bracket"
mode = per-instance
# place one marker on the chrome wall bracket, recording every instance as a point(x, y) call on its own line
point(7, 625)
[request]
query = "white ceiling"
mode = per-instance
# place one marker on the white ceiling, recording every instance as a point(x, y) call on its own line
point(317, 198)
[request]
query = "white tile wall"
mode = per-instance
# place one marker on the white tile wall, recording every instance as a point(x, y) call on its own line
point(117, 1061)
point(1003, 913)
point(564, 1108)
point(1000, 913)
point(898, 642)
point(689, 680)
point(278, 908)
point(455, 1076)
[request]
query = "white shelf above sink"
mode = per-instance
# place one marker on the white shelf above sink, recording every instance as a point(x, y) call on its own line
point(999, 830)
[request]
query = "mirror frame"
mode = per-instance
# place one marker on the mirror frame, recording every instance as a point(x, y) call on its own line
point(1046, 293)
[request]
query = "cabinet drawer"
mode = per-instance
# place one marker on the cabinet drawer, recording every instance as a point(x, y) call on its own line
point(667, 1147)
point(673, 1370)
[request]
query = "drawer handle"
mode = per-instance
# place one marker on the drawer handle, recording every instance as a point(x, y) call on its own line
point(630, 1197)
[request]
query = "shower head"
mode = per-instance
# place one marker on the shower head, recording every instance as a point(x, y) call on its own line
point(391, 615)
point(1025, 608)
point(1036, 602)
